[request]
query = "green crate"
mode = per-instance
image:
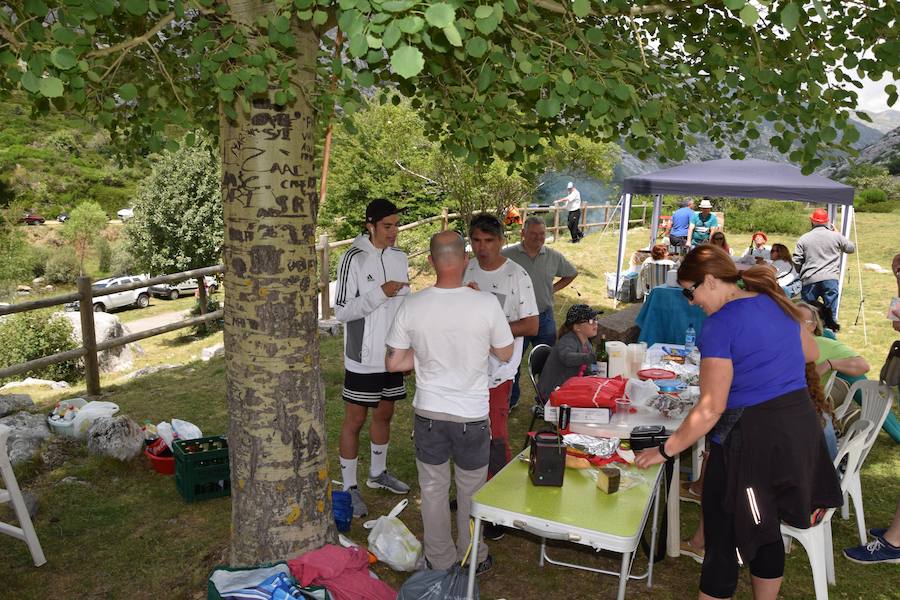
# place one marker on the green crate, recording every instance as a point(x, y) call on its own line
point(202, 472)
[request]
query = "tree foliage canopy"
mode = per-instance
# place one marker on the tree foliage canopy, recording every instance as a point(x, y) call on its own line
point(83, 227)
point(491, 78)
point(177, 223)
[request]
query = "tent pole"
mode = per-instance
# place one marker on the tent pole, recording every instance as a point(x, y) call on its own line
point(846, 218)
point(654, 225)
point(862, 298)
point(623, 235)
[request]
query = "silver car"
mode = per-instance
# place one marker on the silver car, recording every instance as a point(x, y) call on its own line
point(173, 291)
point(138, 297)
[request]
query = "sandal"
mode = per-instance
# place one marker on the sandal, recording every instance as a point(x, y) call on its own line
point(688, 494)
point(688, 549)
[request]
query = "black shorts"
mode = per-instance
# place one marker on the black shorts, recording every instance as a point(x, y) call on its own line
point(368, 389)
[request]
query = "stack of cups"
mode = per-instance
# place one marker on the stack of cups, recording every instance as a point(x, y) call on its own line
point(636, 354)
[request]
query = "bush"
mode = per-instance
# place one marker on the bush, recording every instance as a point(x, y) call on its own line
point(67, 141)
point(62, 267)
point(121, 260)
point(209, 327)
point(37, 260)
point(874, 200)
point(104, 251)
point(34, 334)
point(772, 216)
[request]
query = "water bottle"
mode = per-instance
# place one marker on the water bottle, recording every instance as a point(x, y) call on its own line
point(690, 338)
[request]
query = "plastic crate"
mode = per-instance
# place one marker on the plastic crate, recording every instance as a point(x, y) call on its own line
point(202, 471)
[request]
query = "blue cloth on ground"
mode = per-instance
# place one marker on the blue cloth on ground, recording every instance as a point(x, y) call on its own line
point(276, 587)
point(665, 317)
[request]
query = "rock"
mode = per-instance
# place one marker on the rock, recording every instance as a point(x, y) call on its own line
point(212, 352)
point(59, 450)
point(149, 371)
point(12, 402)
point(30, 381)
point(49, 288)
point(117, 437)
point(875, 267)
point(330, 327)
point(37, 280)
point(23, 293)
point(29, 432)
point(106, 327)
point(23, 288)
point(620, 325)
point(70, 480)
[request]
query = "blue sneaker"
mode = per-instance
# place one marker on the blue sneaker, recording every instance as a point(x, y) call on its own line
point(876, 551)
point(878, 531)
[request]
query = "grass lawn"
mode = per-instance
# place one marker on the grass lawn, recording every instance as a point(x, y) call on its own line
point(122, 531)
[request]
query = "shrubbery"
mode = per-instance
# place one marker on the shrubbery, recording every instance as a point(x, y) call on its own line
point(874, 200)
point(121, 260)
point(34, 334)
point(104, 252)
point(772, 216)
point(62, 267)
point(209, 327)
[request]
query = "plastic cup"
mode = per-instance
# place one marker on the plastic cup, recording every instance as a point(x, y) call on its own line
point(622, 406)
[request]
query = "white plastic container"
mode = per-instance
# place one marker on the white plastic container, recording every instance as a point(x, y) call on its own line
point(89, 413)
point(64, 427)
point(618, 358)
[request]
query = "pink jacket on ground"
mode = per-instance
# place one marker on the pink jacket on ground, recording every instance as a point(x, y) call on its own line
point(343, 571)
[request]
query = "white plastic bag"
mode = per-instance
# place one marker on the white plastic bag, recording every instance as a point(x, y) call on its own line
point(89, 413)
point(392, 542)
point(640, 391)
point(165, 431)
point(186, 430)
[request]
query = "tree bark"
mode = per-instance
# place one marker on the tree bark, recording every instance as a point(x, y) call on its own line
point(279, 479)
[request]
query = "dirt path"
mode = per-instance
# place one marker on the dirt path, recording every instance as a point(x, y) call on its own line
point(155, 321)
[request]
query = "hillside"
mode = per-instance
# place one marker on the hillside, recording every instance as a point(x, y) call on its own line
point(52, 163)
point(885, 120)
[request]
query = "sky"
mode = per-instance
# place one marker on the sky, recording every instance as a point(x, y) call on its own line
point(872, 97)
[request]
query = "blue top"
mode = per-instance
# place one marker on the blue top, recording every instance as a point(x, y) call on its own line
point(702, 227)
point(763, 344)
point(681, 220)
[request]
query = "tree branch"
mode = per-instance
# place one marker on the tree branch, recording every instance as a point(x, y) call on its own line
point(165, 72)
point(414, 174)
point(127, 45)
point(636, 11)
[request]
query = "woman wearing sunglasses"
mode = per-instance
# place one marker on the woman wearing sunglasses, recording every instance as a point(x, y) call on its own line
point(768, 462)
point(718, 239)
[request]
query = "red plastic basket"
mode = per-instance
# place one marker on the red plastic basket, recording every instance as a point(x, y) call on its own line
point(164, 465)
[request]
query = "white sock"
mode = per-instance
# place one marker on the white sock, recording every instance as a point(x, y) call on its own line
point(379, 459)
point(348, 472)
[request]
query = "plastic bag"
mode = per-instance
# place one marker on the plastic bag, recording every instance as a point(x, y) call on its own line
point(437, 585)
point(640, 391)
point(392, 542)
point(186, 430)
point(89, 413)
point(165, 431)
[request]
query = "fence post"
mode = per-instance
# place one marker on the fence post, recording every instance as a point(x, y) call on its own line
point(524, 214)
point(644, 215)
point(555, 223)
point(583, 216)
point(325, 277)
point(201, 298)
point(88, 336)
point(445, 218)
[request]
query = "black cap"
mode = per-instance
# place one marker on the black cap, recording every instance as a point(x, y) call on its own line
point(579, 313)
point(379, 209)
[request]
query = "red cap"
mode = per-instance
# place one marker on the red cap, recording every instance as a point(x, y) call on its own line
point(819, 216)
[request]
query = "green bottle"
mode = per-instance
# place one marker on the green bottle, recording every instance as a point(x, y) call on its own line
point(602, 358)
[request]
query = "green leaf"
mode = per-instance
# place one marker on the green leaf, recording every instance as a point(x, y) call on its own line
point(64, 35)
point(440, 15)
point(320, 17)
point(411, 25)
point(790, 16)
point(487, 25)
point(391, 35)
point(30, 82)
point(365, 79)
point(347, 4)
point(452, 35)
point(638, 129)
point(476, 46)
point(258, 84)
point(36, 8)
point(63, 58)
point(483, 12)
point(407, 61)
point(228, 81)
point(51, 87)
point(358, 46)
point(548, 107)
point(137, 7)
point(128, 92)
point(397, 5)
point(581, 8)
point(104, 7)
point(749, 15)
point(281, 24)
point(735, 4)
point(280, 97)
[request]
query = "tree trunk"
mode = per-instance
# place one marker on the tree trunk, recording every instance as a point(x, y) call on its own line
point(279, 480)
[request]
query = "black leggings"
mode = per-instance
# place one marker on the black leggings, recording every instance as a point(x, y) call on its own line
point(719, 574)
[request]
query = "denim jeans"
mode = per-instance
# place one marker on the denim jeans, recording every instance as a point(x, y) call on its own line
point(827, 289)
point(546, 335)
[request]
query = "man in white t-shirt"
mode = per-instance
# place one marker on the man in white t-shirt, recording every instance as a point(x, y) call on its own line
point(447, 333)
point(510, 283)
point(572, 200)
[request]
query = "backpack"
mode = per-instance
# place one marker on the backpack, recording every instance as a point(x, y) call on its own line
point(890, 371)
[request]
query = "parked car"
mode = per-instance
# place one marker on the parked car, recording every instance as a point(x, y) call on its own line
point(62, 217)
point(125, 214)
point(138, 297)
point(173, 291)
point(32, 219)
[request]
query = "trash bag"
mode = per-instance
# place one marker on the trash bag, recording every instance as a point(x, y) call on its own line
point(393, 543)
point(437, 585)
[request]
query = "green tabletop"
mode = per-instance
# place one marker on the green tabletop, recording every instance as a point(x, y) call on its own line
point(578, 503)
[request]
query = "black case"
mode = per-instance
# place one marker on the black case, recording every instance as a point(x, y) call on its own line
point(648, 436)
point(547, 463)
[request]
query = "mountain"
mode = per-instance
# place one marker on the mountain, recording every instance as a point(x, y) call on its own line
point(884, 152)
point(885, 120)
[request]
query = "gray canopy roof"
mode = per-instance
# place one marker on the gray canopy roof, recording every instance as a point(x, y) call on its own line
point(750, 178)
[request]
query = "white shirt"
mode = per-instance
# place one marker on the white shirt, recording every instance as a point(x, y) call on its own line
point(451, 332)
point(751, 254)
point(573, 200)
point(512, 286)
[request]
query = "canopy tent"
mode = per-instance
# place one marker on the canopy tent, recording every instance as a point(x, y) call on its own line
point(749, 178)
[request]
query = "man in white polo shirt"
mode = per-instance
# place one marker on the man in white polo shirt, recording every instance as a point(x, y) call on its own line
point(447, 333)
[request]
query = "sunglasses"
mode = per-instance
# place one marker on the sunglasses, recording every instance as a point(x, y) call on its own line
point(689, 292)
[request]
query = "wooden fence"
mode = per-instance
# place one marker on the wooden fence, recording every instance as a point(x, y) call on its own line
point(89, 349)
point(324, 247)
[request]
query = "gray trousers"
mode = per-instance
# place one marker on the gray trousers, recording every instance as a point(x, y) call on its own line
point(468, 444)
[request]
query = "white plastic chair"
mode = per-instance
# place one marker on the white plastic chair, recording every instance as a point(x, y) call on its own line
point(876, 404)
point(817, 539)
point(12, 494)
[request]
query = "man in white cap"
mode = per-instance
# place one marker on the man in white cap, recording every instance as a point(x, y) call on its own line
point(703, 224)
point(572, 201)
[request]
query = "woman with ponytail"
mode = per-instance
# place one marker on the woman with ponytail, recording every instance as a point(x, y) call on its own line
point(768, 462)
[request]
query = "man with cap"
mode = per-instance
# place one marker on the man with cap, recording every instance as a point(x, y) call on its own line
point(757, 252)
point(572, 200)
point(680, 224)
point(372, 278)
point(544, 265)
point(818, 256)
point(703, 224)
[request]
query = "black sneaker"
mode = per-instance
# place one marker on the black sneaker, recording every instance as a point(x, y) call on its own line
point(485, 565)
point(492, 532)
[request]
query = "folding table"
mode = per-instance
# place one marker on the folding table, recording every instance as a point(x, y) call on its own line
point(577, 512)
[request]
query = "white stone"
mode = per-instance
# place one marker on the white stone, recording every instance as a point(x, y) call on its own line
point(212, 352)
point(23, 288)
point(106, 327)
point(117, 437)
point(37, 280)
point(30, 381)
point(29, 432)
point(14, 402)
